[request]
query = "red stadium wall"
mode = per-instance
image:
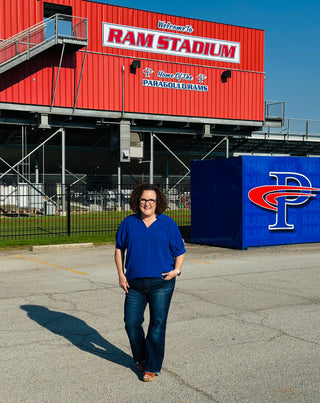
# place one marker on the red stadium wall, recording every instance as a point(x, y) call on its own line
point(185, 78)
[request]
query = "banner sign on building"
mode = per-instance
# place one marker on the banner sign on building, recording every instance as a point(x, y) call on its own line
point(255, 201)
point(174, 44)
point(178, 80)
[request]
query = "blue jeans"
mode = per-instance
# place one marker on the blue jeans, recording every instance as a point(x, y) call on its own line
point(157, 292)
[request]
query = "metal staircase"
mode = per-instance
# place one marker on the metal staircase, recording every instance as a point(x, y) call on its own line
point(59, 29)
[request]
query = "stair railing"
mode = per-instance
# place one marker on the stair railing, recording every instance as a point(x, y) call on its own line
point(51, 29)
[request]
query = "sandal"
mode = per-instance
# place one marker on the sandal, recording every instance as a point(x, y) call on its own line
point(149, 376)
point(140, 366)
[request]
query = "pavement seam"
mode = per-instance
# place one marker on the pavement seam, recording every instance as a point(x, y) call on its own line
point(183, 383)
point(280, 331)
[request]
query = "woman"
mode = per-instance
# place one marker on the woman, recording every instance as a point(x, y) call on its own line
point(155, 254)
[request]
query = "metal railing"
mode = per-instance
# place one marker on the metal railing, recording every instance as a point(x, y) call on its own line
point(300, 129)
point(47, 32)
point(46, 211)
point(274, 110)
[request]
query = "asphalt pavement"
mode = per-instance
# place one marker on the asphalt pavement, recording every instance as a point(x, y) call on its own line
point(244, 326)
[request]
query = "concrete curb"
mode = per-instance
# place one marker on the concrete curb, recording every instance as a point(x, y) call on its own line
point(61, 246)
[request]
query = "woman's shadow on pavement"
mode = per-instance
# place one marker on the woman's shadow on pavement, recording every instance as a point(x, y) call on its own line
point(78, 333)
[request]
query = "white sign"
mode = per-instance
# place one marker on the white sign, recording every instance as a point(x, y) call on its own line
point(149, 81)
point(147, 40)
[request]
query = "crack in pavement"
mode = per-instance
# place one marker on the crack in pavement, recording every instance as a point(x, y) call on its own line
point(183, 383)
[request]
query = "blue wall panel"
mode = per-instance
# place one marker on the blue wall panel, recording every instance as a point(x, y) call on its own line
point(216, 205)
point(284, 219)
point(254, 201)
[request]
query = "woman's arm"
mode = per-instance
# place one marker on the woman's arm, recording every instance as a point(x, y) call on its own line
point(118, 258)
point(177, 268)
point(179, 263)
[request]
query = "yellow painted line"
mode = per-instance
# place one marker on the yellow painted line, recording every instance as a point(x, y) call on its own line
point(52, 265)
point(197, 261)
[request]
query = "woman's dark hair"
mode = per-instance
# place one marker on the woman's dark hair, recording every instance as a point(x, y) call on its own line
point(162, 202)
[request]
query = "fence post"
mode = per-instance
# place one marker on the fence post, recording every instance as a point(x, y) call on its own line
point(68, 191)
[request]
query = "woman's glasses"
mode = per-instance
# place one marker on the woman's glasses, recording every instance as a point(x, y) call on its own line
point(150, 201)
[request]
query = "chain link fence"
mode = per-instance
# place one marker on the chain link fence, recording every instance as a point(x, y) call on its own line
point(54, 210)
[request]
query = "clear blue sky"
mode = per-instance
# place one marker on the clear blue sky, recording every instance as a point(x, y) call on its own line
point(292, 42)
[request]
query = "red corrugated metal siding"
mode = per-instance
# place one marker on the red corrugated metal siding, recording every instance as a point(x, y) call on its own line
point(250, 58)
point(17, 15)
point(242, 97)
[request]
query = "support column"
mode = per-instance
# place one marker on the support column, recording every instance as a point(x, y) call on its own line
point(167, 174)
point(119, 188)
point(43, 166)
point(63, 170)
point(151, 158)
point(227, 147)
point(36, 157)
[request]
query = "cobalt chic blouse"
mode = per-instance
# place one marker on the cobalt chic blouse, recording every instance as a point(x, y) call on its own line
point(151, 250)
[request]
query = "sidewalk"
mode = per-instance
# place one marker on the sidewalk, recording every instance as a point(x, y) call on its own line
point(244, 326)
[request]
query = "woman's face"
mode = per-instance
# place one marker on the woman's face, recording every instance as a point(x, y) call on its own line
point(148, 203)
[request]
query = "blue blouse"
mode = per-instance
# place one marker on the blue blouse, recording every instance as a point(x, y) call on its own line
point(151, 250)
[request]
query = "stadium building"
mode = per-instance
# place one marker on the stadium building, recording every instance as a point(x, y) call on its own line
point(95, 97)
point(107, 91)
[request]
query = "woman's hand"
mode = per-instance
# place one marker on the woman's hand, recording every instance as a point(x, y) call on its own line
point(174, 273)
point(124, 283)
point(171, 274)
